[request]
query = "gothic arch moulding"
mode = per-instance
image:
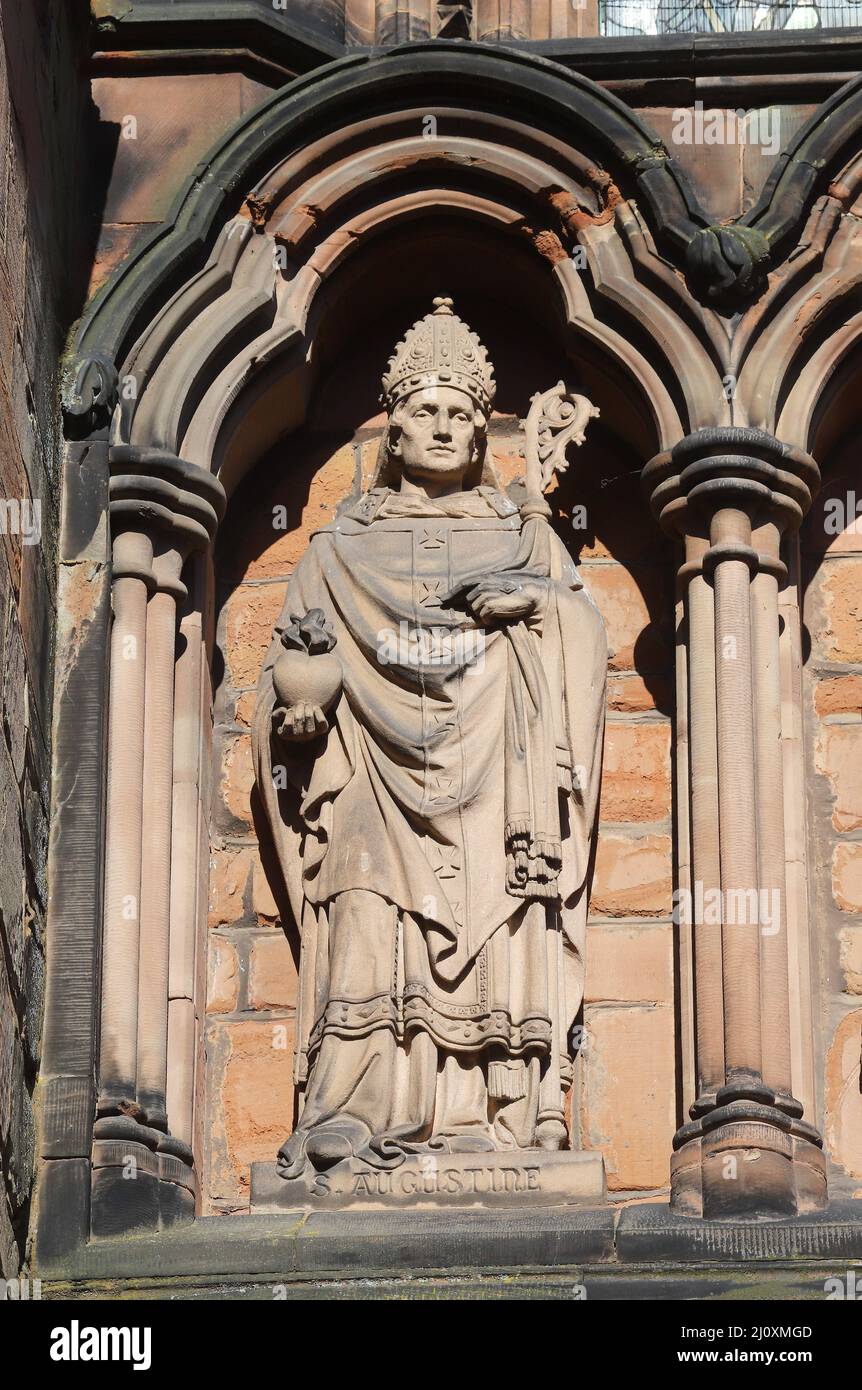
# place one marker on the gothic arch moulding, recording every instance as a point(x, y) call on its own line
point(202, 353)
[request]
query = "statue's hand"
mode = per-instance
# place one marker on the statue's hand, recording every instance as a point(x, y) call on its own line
point(507, 598)
point(300, 723)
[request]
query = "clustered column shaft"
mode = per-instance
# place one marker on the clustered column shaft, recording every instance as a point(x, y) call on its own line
point(705, 866)
point(133, 580)
point(730, 494)
point(162, 511)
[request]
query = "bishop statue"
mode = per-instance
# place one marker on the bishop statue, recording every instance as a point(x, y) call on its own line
point(427, 739)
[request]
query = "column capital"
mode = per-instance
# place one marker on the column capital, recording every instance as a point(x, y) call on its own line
point(730, 468)
point(172, 500)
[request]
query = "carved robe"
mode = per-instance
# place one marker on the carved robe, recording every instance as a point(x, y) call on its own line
point(435, 842)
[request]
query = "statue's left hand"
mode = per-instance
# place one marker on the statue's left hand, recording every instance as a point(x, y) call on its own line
point(300, 723)
point(507, 597)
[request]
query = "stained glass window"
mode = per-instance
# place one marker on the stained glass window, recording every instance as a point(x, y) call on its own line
point(620, 17)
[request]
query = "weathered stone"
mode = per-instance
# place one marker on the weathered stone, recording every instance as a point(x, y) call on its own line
point(34, 993)
point(843, 1111)
point(37, 623)
point(839, 589)
point(222, 975)
point(15, 695)
point(8, 1043)
point(11, 864)
point(847, 876)
point(629, 963)
point(633, 876)
point(163, 125)
point(249, 617)
point(244, 708)
point(250, 1086)
point(233, 807)
point(633, 694)
point(10, 1259)
point(851, 958)
point(635, 1042)
point(281, 523)
point(627, 600)
point(230, 871)
point(833, 526)
point(636, 773)
point(839, 695)
point(838, 755)
point(272, 979)
point(116, 243)
point(262, 900)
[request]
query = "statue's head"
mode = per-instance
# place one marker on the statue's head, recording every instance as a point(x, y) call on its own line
point(438, 393)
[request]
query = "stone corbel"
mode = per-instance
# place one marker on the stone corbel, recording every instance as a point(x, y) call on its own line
point(730, 495)
point(89, 395)
point(162, 510)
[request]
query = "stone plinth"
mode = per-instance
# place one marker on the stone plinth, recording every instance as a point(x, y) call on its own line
point(477, 1180)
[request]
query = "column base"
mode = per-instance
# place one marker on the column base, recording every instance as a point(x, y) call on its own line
point(747, 1165)
point(142, 1180)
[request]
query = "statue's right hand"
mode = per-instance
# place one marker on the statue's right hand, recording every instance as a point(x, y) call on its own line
point(300, 722)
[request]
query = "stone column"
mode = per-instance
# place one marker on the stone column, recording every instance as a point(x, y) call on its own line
point(730, 494)
point(162, 511)
point(133, 581)
point(189, 828)
point(502, 19)
point(403, 21)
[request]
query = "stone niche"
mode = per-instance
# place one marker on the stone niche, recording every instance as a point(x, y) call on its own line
point(623, 1104)
point(255, 328)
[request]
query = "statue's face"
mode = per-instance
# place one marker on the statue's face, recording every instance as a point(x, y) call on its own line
point(438, 434)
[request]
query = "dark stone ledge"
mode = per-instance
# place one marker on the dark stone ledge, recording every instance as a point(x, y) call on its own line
point(611, 1247)
point(592, 1284)
point(211, 32)
point(654, 1233)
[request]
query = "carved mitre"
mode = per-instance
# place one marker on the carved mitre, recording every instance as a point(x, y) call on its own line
point(440, 350)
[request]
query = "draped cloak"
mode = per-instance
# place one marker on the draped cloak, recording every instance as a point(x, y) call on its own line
point(458, 780)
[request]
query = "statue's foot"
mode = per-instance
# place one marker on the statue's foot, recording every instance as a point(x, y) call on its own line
point(467, 1143)
point(326, 1147)
point(321, 1147)
point(291, 1156)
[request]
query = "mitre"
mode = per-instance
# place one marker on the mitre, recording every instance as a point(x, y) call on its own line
point(440, 350)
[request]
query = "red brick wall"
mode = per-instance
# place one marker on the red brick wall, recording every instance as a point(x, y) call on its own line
point(832, 574)
point(627, 1098)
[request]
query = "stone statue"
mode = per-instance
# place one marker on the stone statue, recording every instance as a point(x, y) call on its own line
point(427, 745)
